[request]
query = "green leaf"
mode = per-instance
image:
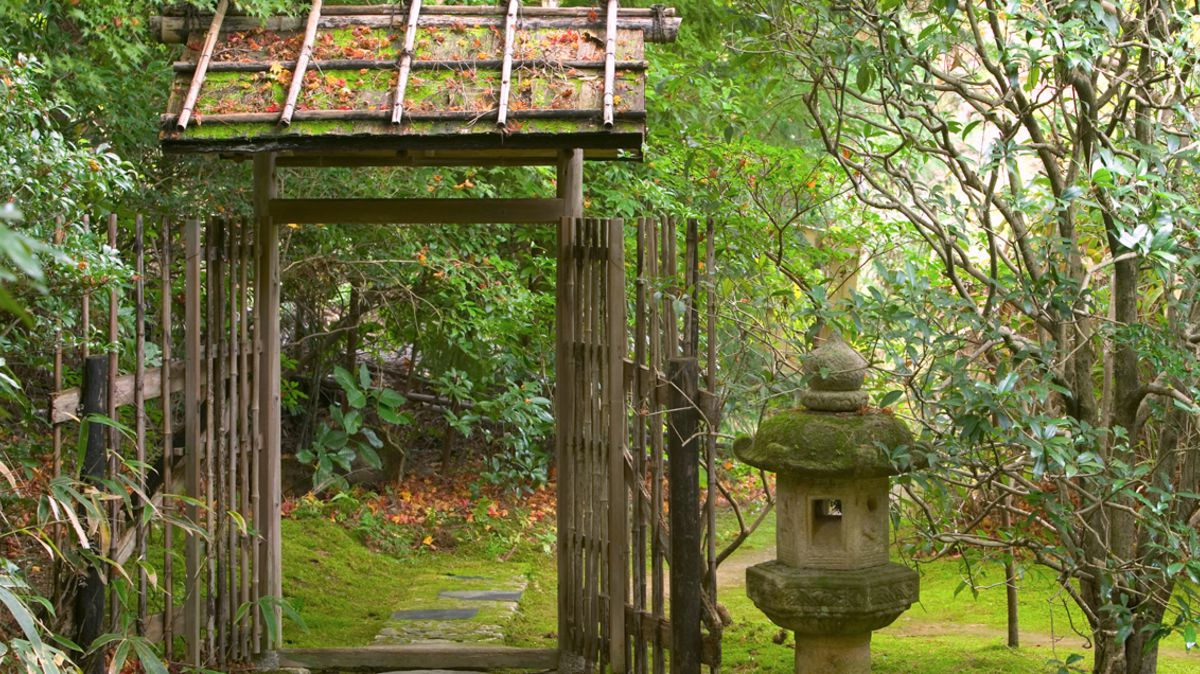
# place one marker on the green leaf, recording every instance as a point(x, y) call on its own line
point(889, 398)
point(391, 398)
point(865, 78)
point(356, 398)
point(344, 379)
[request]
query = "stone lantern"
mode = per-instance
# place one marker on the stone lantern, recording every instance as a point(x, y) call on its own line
point(832, 583)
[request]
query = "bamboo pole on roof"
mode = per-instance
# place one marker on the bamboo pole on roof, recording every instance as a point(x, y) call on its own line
point(210, 42)
point(406, 59)
point(510, 34)
point(306, 49)
point(610, 60)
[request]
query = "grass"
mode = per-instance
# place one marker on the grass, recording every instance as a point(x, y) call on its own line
point(345, 593)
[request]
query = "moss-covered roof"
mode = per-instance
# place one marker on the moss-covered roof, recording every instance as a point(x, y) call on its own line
point(452, 85)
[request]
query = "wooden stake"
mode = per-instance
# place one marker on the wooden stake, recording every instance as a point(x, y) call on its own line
point(510, 33)
point(310, 35)
point(685, 525)
point(610, 61)
point(406, 58)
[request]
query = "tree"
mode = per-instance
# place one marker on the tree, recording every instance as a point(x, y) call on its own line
point(1039, 157)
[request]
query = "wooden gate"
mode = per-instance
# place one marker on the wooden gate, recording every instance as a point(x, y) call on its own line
point(632, 432)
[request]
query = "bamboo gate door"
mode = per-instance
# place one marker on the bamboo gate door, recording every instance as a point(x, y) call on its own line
point(634, 426)
point(636, 420)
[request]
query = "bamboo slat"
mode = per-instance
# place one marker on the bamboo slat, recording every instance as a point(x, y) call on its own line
point(406, 59)
point(306, 48)
point(245, 441)
point(168, 447)
point(212, 418)
point(638, 443)
point(113, 435)
point(210, 41)
point(610, 61)
point(139, 410)
point(657, 352)
point(510, 32)
point(618, 543)
point(85, 311)
point(193, 602)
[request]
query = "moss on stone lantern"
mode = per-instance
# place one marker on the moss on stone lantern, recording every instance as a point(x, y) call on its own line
point(832, 583)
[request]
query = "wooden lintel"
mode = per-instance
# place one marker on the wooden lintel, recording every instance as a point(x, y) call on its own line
point(416, 211)
point(418, 656)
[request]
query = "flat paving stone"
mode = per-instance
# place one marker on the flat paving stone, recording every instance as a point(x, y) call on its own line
point(482, 595)
point(436, 614)
point(455, 575)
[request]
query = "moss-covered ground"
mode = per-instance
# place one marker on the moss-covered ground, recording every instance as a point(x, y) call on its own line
point(344, 592)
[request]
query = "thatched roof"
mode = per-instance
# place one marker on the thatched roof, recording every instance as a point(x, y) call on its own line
point(361, 91)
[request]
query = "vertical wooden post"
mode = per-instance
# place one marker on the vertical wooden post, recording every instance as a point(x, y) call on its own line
point(193, 602)
point(266, 304)
point(570, 189)
point(618, 500)
point(89, 601)
point(684, 459)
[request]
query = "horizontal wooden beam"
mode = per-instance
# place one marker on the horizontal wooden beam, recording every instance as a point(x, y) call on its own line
point(625, 142)
point(176, 29)
point(417, 211)
point(710, 648)
point(376, 64)
point(169, 120)
point(404, 159)
point(418, 656)
point(64, 405)
point(181, 10)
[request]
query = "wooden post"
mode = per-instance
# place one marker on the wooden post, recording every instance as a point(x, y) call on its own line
point(266, 304)
point(193, 602)
point(89, 602)
point(685, 521)
point(570, 189)
point(618, 500)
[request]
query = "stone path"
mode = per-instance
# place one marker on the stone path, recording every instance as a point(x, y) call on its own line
point(454, 609)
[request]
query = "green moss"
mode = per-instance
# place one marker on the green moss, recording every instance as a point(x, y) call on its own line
point(820, 444)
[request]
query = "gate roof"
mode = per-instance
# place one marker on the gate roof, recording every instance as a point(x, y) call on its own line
point(350, 81)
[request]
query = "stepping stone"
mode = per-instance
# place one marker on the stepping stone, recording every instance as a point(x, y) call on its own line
point(455, 575)
point(481, 595)
point(436, 614)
